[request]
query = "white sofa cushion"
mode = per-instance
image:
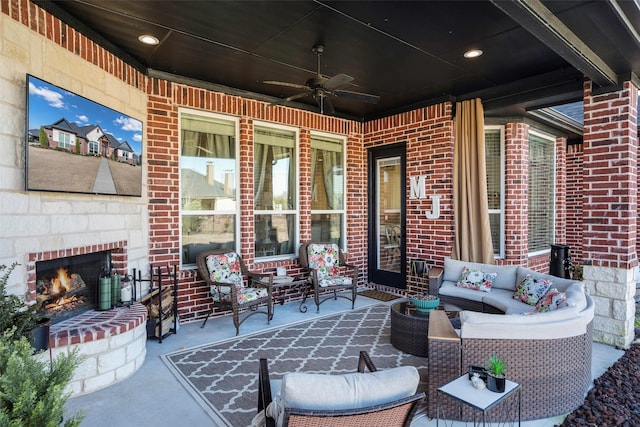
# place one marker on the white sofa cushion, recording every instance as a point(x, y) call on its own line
point(576, 296)
point(452, 290)
point(563, 323)
point(502, 299)
point(505, 279)
point(348, 391)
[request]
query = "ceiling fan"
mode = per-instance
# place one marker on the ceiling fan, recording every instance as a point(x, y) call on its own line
point(321, 88)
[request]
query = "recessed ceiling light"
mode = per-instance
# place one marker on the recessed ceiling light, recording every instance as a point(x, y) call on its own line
point(148, 39)
point(472, 53)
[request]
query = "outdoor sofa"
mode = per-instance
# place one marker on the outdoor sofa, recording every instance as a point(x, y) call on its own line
point(547, 352)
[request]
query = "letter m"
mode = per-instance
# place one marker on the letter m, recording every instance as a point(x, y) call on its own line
point(417, 190)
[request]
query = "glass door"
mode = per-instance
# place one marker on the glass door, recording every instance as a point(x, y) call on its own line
point(386, 216)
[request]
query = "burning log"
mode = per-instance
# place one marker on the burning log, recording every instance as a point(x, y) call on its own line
point(65, 292)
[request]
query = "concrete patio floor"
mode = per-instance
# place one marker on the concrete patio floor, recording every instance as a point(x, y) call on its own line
point(154, 397)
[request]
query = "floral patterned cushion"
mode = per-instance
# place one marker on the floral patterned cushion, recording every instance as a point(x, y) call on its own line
point(476, 280)
point(334, 281)
point(225, 268)
point(325, 259)
point(552, 300)
point(530, 290)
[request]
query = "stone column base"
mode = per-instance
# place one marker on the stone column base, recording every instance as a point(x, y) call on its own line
point(613, 291)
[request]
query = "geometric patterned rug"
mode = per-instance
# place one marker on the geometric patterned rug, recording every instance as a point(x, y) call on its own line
point(223, 377)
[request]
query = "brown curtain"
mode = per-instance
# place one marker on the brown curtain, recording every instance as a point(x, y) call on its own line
point(470, 207)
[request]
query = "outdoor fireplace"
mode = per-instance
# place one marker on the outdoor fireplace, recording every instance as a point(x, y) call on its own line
point(113, 341)
point(68, 286)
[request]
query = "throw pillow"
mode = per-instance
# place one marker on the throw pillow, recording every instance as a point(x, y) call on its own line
point(476, 280)
point(552, 300)
point(530, 290)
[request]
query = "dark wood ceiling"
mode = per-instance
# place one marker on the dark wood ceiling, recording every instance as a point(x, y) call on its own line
point(410, 54)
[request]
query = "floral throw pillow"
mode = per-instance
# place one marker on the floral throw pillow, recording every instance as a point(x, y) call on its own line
point(530, 290)
point(552, 300)
point(476, 280)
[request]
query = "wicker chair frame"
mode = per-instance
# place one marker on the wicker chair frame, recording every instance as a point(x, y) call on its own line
point(345, 270)
point(250, 279)
point(398, 413)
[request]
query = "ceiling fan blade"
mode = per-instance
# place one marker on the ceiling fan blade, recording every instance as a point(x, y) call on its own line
point(365, 97)
point(287, 84)
point(290, 98)
point(326, 107)
point(336, 81)
point(293, 97)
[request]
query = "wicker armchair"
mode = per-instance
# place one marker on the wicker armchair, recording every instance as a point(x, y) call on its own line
point(328, 271)
point(398, 412)
point(225, 273)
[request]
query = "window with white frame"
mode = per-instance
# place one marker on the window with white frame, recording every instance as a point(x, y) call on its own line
point(327, 189)
point(93, 147)
point(64, 139)
point(494, 159)
point(275, 177)
point(208, 191)
point(541, 191)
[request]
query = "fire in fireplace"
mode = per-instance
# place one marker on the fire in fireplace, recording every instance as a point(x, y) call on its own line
point(68, 286)
point(65, 292)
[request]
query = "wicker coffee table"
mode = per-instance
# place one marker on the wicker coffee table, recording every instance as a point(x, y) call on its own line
point(409, 327)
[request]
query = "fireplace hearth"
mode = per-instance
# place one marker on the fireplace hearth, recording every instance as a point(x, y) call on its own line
point(68, 286)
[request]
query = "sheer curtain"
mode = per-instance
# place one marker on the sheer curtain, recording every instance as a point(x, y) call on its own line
point(472, 241)
point(329, 162)
point(198, 144)
point(260, 172)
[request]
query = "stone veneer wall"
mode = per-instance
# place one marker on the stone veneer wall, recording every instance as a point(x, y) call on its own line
point(32, 41)
point(111, 343)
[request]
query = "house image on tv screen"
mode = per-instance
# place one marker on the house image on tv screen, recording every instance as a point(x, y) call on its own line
point(84, 140)
point(74, 154)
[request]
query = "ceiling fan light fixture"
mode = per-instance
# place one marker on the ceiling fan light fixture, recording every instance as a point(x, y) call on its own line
point(472, 53)
point(148, 39)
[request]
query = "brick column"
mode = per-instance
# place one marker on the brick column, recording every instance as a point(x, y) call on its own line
point(516, 186)
point(610, 210)
point(561, 191)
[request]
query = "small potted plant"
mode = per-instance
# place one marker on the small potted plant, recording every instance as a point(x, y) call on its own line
point(496, 379)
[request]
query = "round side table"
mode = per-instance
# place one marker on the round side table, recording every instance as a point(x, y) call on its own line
point(409, 327)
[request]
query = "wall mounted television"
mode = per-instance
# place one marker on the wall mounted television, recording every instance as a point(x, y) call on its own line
point(76, 145)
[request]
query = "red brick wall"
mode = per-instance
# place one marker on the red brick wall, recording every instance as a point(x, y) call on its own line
point(574, 196)
point(428, 135)
point(516, 193)
point(163, 159)
point(610, 177)
point(609, 151)
point(561, 191)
